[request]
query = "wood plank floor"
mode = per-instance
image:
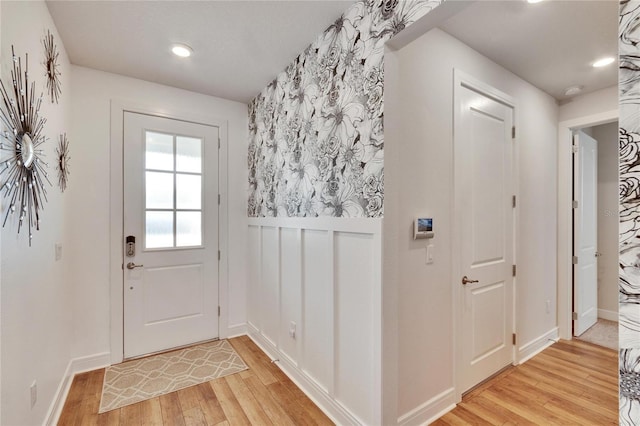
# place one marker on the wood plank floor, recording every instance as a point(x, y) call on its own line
point(571, 382)
point(261, 395)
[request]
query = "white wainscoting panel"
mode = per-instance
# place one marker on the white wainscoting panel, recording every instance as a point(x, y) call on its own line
point(270, 284)
point(254, 307)
point(323, 274)
point(290, 292)
point(354, 304)
point(317, 308)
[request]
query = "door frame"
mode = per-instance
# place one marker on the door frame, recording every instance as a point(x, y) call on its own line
point(462, 78)
point(565, 214)
point(116, 205)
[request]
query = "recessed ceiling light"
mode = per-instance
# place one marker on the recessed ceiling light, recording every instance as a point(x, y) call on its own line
point(603, 62)
point(573, 90)
point(181, 50)
point(534, 1)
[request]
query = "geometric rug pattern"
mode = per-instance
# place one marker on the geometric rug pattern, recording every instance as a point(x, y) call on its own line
point(145, 378)
point(603, 333)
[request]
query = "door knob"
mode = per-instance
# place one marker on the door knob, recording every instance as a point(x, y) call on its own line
point(132, 265)
point(466, 280)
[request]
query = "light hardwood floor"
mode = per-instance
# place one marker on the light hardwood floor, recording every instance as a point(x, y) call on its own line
point(570, 383)
point(262, 395)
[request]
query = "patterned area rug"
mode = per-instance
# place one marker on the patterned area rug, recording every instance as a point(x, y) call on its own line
point(603, 333)
point(145, 378)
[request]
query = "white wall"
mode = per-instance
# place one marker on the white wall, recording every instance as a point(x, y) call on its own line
point(589, 104)
point(89, 194)
point(418, 172)
point(37, 300)
point(324, 275)
point(608, 218)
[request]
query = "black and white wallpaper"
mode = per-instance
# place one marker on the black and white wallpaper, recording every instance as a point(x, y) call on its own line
point(629, 318)
point(316, 143)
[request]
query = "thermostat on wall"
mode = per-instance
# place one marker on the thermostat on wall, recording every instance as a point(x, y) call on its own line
point(423, 228)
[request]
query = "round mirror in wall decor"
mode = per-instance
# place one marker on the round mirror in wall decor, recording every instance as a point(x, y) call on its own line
point(54, 89)
point(22, 171)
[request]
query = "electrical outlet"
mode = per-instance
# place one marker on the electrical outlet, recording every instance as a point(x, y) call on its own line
point(58, 251)
point(548, 306)
point(292, 330)
point(34, 393)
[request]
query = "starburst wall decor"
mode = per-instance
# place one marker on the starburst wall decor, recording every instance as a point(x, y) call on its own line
point(23, 174)
point(62, 153)
point(53, 69)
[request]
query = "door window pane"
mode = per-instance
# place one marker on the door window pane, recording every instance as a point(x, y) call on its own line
point(188, 229)
point(159, 190)
point(159, 151)
point(159, 229)
point(189, 192)
point(188, 154)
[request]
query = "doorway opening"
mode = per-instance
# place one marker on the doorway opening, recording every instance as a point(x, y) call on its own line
point(595, 234)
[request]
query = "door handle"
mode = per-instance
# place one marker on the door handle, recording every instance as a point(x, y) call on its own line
point(132, 265)
point(466, 280)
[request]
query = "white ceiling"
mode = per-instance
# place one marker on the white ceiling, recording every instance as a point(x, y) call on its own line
point(240, 46)
point(550, 44)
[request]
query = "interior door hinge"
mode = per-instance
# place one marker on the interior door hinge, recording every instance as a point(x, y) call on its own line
point(218, 310)
point(574, 260)
point(574, 204)
point(218, 254)
point(574, 149)
point(574, 315)
point(513, 270)
point(218, 199)
point(513, 338)
point(218, 143)
point(513, 202)
point(513, 132)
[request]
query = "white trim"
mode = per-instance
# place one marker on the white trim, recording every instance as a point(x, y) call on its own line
point(537, 345)
point(118, 107)
point(431, 410)
point(462, 79)
point(75, 366)
point(335, 224)
point(608, 315)
point(565, 231)
point(335, 411)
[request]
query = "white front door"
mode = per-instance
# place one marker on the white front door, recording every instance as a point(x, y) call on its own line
point(171, 209)
point(585, 233)
point(484, 218)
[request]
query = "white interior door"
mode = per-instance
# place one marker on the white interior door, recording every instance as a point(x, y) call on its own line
point(585, 232)
point(171, 209)
point(484, 238)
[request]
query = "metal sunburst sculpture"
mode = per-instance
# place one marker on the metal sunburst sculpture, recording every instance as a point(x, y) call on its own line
point(62, 152)
point(23, 174)
point(53, 69)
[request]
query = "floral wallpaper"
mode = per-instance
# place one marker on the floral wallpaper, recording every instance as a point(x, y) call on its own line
point(316, 143)
point(629, 317)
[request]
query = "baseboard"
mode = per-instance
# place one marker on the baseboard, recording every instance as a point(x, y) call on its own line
point(537, 345)
point(608, 315)
point(236, 330)
point(332, 408)
point(431, 410)
point(75, 366)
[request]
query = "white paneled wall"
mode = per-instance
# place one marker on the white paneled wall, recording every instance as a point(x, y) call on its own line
point(324, 275)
